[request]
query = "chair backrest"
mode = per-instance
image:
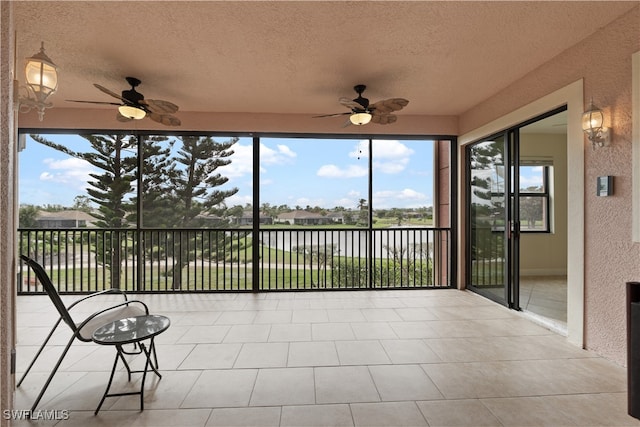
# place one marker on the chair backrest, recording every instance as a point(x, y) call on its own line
point(50, 289)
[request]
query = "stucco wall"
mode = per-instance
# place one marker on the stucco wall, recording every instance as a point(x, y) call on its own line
point(7, 209)
point(611, 258)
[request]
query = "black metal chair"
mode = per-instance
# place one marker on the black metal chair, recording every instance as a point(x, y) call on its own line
point(83, 329)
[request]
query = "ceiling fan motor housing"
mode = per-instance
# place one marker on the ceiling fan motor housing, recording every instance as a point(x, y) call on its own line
point(132, 95)
point(360, 99)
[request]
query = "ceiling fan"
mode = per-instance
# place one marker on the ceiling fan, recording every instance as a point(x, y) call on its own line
point(135, 107)
point(362, 112)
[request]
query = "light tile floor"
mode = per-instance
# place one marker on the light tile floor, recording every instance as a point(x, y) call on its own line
point(387, 358)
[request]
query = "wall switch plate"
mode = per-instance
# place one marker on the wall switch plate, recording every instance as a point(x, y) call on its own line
point(605, 186)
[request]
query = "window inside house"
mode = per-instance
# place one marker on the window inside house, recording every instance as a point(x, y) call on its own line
point(534, 199)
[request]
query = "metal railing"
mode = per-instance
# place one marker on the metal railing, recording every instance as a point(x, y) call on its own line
point(210, 260)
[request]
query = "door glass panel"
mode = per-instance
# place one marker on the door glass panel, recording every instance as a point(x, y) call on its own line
point(487, 218)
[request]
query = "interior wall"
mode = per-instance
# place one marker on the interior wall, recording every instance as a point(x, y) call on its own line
point(545, 254)
point(603, 62)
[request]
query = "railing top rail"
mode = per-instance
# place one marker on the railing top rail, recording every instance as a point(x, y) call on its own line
point(276, 228)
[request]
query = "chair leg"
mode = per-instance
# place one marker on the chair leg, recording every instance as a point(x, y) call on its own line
point(39, 352)
point(55, 369)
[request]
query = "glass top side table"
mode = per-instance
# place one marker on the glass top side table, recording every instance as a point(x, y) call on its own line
point(132, 330)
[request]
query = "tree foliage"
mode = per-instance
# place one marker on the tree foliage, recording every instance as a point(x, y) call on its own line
point(172, 188)
point(194, 190)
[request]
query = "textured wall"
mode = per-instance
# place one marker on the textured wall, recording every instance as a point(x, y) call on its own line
point(611, 258)
point(241, 122)
point(443, 167)
point(7, 205)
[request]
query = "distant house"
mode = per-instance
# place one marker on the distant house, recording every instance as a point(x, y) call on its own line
point(302, 218)
point(336, 217)
point(65, 219)
point(247, 219)
point(207, 220)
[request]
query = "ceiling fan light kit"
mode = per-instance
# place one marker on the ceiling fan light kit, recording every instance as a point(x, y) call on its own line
point(360, 119)
point(132, 112)
point(362, 113)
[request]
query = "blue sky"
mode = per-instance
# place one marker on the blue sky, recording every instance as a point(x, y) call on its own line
point(293, 171)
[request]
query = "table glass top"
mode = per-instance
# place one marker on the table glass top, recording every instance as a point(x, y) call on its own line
point(131, 329)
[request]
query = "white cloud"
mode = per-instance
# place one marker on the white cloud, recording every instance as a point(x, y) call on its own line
point(282, 155)
point(361, 150)
point(530, 181)
point(242, 159)
point(391, 156)
point(333, 171)
point(383, 149)
point(241, 162)
point(238, 200)
point(70, 172)
point(391, 149)
point(285, 151)
point(391, 166)
point(406, 198)
point(531, 176)
point(306, 201)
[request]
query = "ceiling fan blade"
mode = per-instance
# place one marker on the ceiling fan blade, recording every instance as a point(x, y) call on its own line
point(351, 104)
point(112, 93)
point(388, 105)
point(165, 119)
point(159, 106)
point(121, 118)
point(331, 115)
point(383, 119)
point(94, 102)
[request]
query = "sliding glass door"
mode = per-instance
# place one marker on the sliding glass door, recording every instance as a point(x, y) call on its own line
point(492, 214)
point(499, 191)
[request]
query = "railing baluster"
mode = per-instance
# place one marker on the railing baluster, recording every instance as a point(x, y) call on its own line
point(290, 259)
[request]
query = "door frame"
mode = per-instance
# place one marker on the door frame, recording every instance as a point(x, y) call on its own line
point(572, 96)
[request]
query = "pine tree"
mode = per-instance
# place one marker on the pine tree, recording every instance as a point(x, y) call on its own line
point(195, 190)
point(157, 168)
point(115, 156)
point(176, 190)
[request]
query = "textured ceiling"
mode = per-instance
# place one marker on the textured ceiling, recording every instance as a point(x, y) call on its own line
point(288, 57)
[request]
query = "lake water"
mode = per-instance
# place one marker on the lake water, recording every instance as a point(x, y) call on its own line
point(353, 243)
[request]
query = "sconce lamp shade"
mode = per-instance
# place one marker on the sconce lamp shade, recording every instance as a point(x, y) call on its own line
point(360, 119)
point(592, 119)
point(593, 127)
point(131, 112)
point(42, 75)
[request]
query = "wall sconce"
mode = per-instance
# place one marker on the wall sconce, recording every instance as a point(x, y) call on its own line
point(42, 81)
point(592, 125)
point(360, 119)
